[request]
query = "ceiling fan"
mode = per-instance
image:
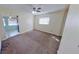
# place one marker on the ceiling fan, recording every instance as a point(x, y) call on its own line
point(37, 9)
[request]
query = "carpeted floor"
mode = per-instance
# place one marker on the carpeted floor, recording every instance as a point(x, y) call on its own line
point(33, 42)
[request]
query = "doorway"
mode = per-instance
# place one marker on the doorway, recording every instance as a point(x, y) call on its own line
point(11, 26)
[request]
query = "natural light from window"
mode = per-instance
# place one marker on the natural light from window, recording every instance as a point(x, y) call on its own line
point(44, 20)
point(12, 22)
point(4, 22)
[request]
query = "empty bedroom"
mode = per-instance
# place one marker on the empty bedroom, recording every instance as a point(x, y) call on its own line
point(32, 28)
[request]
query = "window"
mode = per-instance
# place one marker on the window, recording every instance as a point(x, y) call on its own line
point(12, 22)
point(44, 20)
point(4, 22)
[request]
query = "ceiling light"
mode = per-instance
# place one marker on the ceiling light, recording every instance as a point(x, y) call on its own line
point(36, 10)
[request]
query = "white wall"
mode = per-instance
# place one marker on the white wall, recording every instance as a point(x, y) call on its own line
point(25, 22)
point(70, 40)
point(56, 22)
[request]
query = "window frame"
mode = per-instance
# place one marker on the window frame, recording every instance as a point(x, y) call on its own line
point(44, 20)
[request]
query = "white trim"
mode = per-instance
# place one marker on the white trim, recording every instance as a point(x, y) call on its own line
point(55, 38)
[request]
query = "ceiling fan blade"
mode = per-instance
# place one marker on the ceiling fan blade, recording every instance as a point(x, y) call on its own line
point(39, 8)
point(38, 11)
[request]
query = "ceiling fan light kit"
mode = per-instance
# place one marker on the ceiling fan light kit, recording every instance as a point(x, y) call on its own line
point(36, 10)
